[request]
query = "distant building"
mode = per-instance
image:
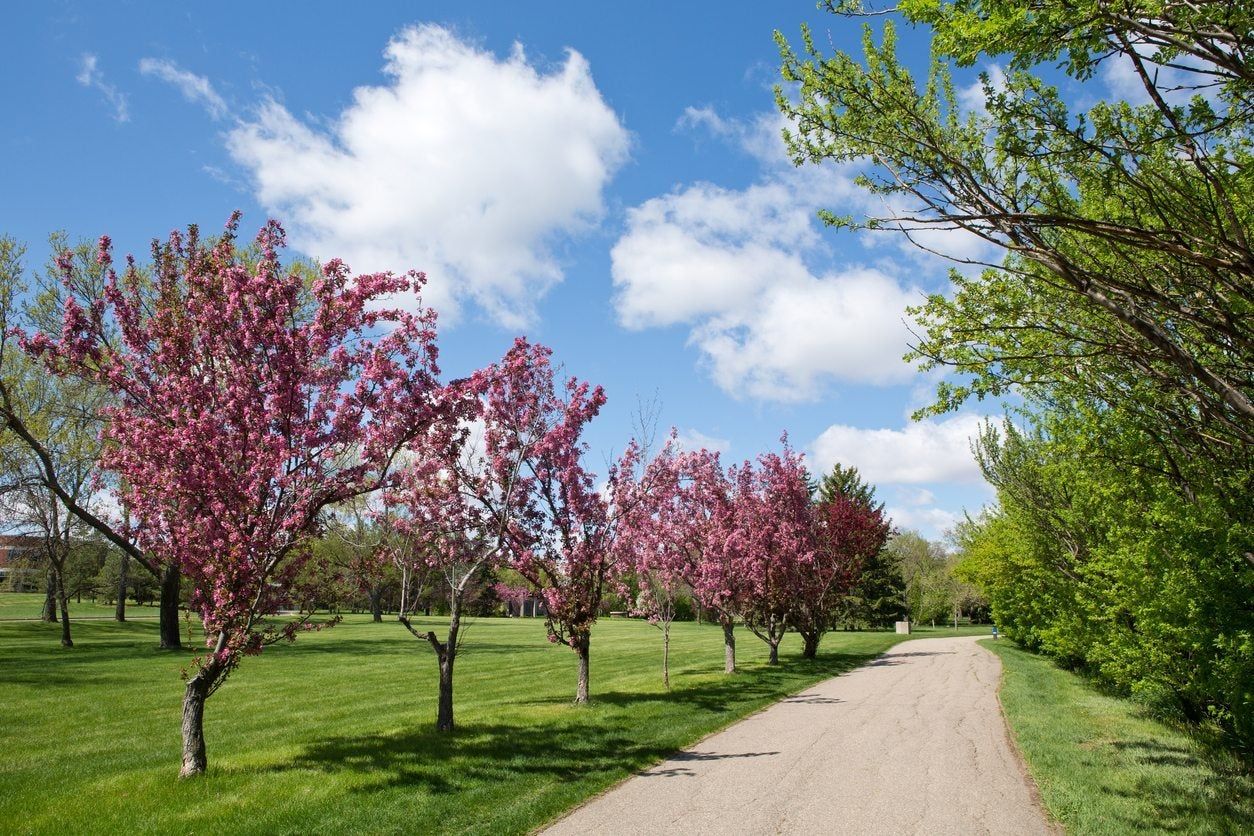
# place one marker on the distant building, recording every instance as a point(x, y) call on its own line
point(17, 554)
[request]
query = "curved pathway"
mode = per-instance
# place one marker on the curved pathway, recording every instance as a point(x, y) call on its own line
point(912, 742)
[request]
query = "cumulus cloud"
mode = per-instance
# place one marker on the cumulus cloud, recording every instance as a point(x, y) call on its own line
point(464, 164)
point(195, 88)
point(922, 452)
point(90, 75)
point(973, 97)
point(691, 439)
point(735, 267)
point(930, 521)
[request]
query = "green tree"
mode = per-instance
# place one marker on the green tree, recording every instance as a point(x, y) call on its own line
point(1107, 569)
point(1125, 227)
point(51, 426)
point(925, 576)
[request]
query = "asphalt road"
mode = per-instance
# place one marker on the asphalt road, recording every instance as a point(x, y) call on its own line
point(913, 742)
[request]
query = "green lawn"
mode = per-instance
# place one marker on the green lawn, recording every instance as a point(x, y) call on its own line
point(30, 605)
point(334, 733)
point(1103, 767)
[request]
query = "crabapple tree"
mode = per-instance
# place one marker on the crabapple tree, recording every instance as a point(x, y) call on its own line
point(773, 541)
point(847, 533)
point(249, 398)
point(561, 530)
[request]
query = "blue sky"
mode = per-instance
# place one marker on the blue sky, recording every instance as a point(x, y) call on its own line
point(608, 180)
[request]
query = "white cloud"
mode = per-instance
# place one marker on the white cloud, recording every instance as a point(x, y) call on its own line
point(973, 97)
point(931, 522)
point(915, 497)
point(90, 75)
point(845, 326)
point(922, 452)
point(733, 265)
point(195, 88)
point(466, 165)
point(691, 439)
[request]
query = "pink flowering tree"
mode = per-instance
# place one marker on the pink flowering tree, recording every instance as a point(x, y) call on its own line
point(515, 596)
point(773, 541)
point(695, 540)
point(451, 511)
point(651, 542)
point(249, 398)
point(846, 534)
point(561, 529)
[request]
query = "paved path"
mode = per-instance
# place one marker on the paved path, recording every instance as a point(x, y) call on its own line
point(913, 742)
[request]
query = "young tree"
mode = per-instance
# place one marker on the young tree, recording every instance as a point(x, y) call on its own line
point(689, 526)
point(774, 541)
point(246, 401)
point(451, 510)
point(561, 529)
point(848, 532)
point(878, 596)
point(654, 538)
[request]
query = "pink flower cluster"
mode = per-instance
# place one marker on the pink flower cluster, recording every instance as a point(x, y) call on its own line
point(247, 399)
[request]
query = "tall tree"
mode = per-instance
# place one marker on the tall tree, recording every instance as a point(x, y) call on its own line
point(247, 401)
point(1126, 241)
point(75, 405)
point(560, 530)
point(924, 568)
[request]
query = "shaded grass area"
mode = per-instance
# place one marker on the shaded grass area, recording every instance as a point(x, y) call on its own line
point(1102, 766)
point(335, 732)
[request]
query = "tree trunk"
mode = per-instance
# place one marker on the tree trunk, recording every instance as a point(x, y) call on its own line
point(194, 760)
point(773, 644)
point(447, 655)
point(170, 639)
point(49, 613)
point(666, 655)
point(581, 645)
point(729, 647)
point(810, 644)
point(124, 571)
point(376, 604)
point(66, 641)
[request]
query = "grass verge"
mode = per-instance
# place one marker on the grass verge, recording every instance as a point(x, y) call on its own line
point(1103, 767)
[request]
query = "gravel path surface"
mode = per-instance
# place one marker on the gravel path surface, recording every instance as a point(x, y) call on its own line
point(912, 742)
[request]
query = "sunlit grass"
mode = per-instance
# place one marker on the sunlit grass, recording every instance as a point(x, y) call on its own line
point(1104, 767)
point(335, 732)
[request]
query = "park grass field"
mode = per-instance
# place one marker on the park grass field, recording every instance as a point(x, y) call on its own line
point(335, 732)
point(24, 605)
point(1104, 768)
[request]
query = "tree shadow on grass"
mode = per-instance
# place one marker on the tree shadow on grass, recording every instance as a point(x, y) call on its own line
point(575, 746)
point(1225, 804)
point(477, 754)
point(749, 684)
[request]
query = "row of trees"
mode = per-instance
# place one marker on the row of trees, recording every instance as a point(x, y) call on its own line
point(242, 410)
point(1115, 310)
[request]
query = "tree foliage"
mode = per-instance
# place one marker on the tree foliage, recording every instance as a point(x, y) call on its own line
point(1125, 227)
point(244, 402)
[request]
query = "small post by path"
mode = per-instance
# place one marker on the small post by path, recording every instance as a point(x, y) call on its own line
point(903, 627)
